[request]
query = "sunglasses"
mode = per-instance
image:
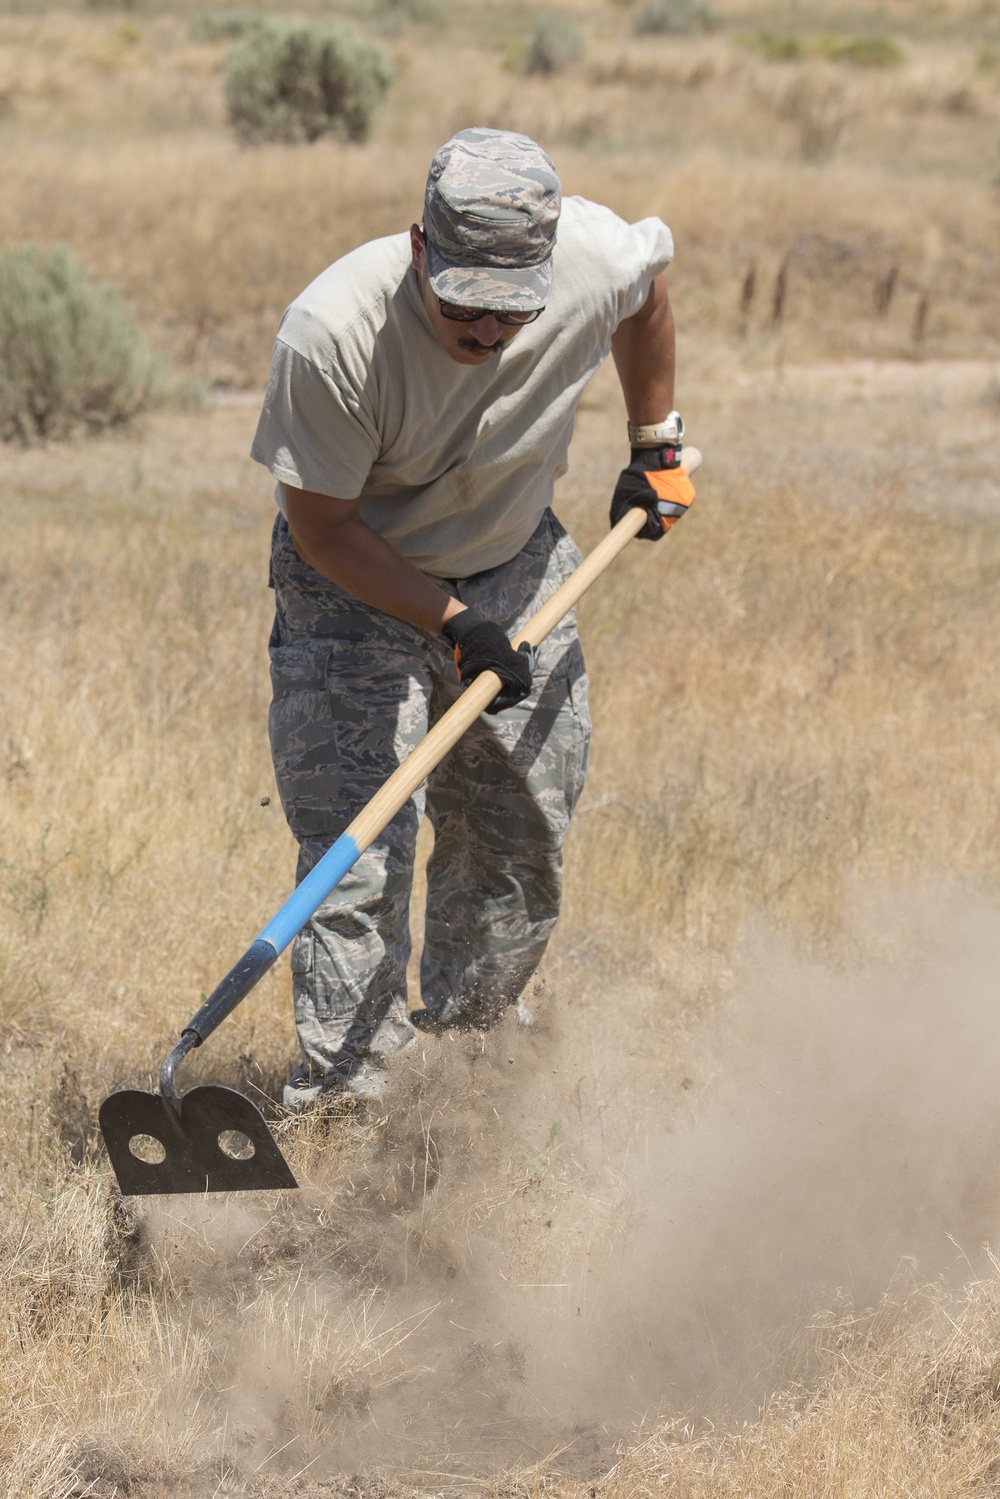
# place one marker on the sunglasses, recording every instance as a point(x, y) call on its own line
point(456, 314)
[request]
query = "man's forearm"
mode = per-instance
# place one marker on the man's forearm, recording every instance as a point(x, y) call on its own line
point(369, 568)
point(644, 352)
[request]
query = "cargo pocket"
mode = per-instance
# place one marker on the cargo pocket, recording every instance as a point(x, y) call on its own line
point(303, 1000)
point(346, 707)
point(549, 743)
point(303, 744)
point(378, 712)
point(578, 749)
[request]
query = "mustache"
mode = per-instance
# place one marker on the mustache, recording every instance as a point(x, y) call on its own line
point(475, 347)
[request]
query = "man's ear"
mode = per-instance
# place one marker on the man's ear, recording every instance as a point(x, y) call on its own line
point(418, 250)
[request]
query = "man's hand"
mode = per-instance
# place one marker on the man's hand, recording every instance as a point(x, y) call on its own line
point(480, 645)
point(655, 482)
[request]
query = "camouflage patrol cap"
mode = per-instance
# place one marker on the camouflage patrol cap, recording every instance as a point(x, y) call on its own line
point(490, 213)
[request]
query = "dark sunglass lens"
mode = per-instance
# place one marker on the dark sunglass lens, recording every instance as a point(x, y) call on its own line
point(472, 314)
point(459, 314)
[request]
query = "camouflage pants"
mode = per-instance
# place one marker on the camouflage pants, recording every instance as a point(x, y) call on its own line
point(354, 690)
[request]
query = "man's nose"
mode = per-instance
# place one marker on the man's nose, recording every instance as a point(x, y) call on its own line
point(486, 328)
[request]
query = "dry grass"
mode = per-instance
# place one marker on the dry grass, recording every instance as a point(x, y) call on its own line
point(795, 698)
point(115, 127)
point(908, 1405)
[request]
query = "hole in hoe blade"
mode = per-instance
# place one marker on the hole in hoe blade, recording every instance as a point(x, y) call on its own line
point(236, 1145)
point(148, 1149)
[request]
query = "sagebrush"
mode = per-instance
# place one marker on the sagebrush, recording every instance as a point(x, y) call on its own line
point(554, 45)
point(71, 355)
point(665, 17)
point(215, 26)
point(297, 81)
point(393, 16)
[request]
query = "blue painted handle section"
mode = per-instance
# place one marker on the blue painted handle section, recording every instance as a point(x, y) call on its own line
point(307, 897)
point(275, 937)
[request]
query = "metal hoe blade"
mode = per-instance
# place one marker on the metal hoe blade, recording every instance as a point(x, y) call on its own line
point(218, 1143)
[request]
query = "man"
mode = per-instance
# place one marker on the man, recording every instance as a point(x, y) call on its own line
point(418, 412)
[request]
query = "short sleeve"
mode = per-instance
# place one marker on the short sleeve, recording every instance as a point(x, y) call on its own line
point(651, 251)
point(313, 432)
point(608, 264)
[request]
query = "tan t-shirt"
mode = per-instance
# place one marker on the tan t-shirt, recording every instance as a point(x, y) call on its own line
point(454, 464)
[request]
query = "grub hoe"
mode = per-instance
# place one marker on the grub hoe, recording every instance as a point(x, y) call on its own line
point(212, 1138)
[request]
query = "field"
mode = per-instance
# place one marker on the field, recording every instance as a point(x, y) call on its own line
point(720, 1222)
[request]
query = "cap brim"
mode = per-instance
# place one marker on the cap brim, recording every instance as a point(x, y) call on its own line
point(499, 288)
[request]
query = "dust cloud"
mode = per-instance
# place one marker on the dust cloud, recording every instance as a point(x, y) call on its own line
point(853, 1123)
point(504, 1272)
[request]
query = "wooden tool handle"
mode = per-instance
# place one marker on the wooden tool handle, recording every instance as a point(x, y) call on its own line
point(479, 694)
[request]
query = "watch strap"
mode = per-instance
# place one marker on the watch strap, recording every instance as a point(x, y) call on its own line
point(668, 433)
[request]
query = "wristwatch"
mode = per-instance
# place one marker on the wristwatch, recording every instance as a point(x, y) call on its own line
point(669, 433)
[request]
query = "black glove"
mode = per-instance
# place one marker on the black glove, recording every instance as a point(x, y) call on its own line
point(655, 482)
point(480, 645)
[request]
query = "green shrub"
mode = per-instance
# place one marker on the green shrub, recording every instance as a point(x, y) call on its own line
point(219, 26)
point(71, 357)
point(554, 45)
point(778, 46)
point(392, 16)
point(298, 80)
point(863, 51)
point(663, 17)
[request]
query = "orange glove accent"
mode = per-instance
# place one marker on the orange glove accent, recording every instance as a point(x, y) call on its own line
point(672, 485)
point(655, 482)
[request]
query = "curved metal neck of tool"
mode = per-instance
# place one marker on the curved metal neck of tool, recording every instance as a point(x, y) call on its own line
point(224, 998)
point(168, 1086)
